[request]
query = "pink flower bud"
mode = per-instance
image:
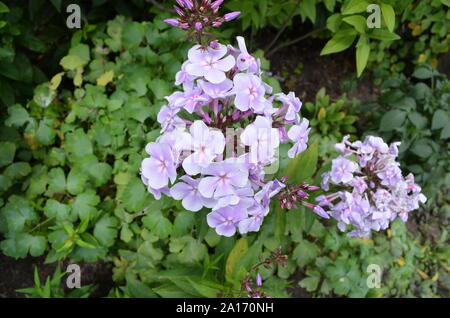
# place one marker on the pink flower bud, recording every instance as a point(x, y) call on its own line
point(313, 188)
point(198, 26)
point(173, 22)
point(216, 4)
point(231, 16)
point(181, 3)
point(258, 280)
point(216, 24)
point(178, 11)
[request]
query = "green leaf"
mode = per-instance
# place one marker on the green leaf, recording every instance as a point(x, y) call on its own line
point(392, 119)
point(17, 212)
point(422, 148)
point(72, 62)
point(8, 150)
point(78, 145)
point(388, 16)
point(445, 133)
point(132, 34)
point(45, 133)
point(5, 183)
point(440, 119)
point(334, 21)
point(357, 21)
point(160, 88)
point(354, 6)
point(308, 9)
point(134, 195)
point(85, 204)
point(184, 222)
point(18, 116)
point(422, 73)
point(35, 244)
point(339, 42)
point(418, 120)
point(383, 35)
point(311, 282)
point(157, 224)
point(55, 209)
point(238, 251)
point(138, 108)
point(125, 233)
point(76, 181)
point(57, 181)
point(18, 170)
point(362, 54)
point(304, 165)
point(305, 252)
point(105, 230)
point(138, 289)
point(22, 244)
point(3, 8)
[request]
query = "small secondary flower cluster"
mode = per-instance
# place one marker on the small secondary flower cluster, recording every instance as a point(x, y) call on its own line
point(374, 192)
point(216, 167)
point(197, 16)
point(254, 289)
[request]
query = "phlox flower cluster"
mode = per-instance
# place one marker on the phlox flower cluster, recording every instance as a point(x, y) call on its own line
point(372, 190)
point(218, 135)
point(196, 16)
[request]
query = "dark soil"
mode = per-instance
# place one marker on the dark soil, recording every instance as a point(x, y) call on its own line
point(17, 274)
point(301, 69)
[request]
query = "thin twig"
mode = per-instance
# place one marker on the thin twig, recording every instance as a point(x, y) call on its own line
point(284, 26)
point(301, 38)
point(159, 6)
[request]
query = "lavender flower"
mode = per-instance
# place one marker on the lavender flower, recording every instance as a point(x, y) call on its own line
point(209, 63)
point(226, 219)
point(373, 191)
point(222, 90)
point(299, 135)
point(187, 191)
point(249, 93)
point(160, 167)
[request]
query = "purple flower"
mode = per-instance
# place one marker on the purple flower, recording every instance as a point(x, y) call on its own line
point(187, 191)
point(225, 219)
point(231, 16)
point(380, 193)
point(245, 61)
point(321, 212)
point(169, 119)
point(292, 103)
point(342, 170)
point(191, 99)
point(206, 145)
point(209, 63)
point(173, 22)
point(253, 223)
point(220, 90)
point(262, 139)
point(249, 93)
point(299, 135)
point(183, 77)
point(216, 4)
point(224, 178)
point(160, 167)
point(155, 192)
point(269, 190)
